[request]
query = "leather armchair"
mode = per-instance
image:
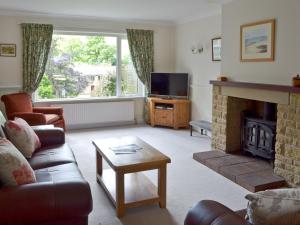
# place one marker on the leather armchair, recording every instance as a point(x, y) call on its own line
point(208, 212)
point(20, 105)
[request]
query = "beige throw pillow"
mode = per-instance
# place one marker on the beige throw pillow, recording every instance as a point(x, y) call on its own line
point(274, 207)
point(14, 168)
point(22, 136)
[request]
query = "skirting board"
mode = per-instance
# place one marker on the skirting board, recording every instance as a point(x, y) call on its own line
point(98, 125)
point(208, 133)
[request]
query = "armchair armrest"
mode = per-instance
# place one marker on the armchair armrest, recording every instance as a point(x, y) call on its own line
point(49, 110)
point(31, 118)
point(209, 212)
point(50, 135)
point(47, 201)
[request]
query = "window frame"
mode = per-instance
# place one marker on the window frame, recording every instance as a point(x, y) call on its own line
point(119, 94)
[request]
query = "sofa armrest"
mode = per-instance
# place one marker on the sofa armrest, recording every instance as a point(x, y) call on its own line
point(31, 118)
point(208, 212)
point(47, 201)
point(49, 110)
point(50, 135)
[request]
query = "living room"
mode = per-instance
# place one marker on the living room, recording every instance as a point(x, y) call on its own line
point(182, 43)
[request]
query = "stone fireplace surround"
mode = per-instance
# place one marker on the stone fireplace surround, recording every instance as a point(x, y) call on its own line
point(231, 98)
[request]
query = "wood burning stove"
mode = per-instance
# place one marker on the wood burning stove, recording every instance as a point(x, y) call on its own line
point(258, 133)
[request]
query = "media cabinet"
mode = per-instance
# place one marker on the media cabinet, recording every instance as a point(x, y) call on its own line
point(169, 112)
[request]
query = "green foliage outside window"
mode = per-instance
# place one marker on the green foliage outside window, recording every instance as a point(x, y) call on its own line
point(62, 80)
point(94, 51)
point(46, 88)
point(110, 87)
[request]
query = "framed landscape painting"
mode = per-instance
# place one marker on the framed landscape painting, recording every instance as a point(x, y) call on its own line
point(258, 41)
point(8, 50)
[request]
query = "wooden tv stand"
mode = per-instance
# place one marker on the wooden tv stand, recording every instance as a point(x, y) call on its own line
point(169, 112)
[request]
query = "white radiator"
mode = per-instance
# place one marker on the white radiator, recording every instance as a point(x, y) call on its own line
point(85, 115)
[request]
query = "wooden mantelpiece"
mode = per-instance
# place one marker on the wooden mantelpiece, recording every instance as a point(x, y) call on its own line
point(270, 87)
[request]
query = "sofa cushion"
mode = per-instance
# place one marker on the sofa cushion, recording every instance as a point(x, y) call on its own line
point(72, 194)
point(22, 136)
point(14, 168)
point(60, 194)
point(51, 118)
point(280, 207)
point(60, 173)
point(52, 156)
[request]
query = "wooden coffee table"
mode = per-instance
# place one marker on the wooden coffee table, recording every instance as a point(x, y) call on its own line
point(122, 183)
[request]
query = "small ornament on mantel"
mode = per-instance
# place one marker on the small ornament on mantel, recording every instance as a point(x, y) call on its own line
point(296, 81)
point(222, 78)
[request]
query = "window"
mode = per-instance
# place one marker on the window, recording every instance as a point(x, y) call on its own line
point(87, 66)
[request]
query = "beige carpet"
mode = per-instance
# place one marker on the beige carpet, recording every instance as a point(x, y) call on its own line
point(188, 181)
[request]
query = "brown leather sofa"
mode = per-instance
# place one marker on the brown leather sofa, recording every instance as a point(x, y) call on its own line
point(208, 212)
point(61, 196)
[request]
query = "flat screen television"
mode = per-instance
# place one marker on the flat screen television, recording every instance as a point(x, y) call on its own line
point(169, 85)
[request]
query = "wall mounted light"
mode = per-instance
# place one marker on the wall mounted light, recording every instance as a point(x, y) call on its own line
point(197, 49)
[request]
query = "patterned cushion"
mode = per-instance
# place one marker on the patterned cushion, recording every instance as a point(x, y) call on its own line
point(22, 136)
point(2, 122)
point(14, 168)
point(280, 207)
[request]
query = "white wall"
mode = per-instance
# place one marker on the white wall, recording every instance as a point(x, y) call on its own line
point(170, 40)
point(11, 67)
point(11, 33)
point(199, 66)
point(287, 49)
point(227, 25)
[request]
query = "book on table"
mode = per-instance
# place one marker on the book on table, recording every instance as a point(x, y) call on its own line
point(125, 149)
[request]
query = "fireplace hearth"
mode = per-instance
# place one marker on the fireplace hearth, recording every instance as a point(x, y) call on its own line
point(262, 135)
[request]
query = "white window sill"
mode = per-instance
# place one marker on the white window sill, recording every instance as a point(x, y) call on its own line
point(88, 100)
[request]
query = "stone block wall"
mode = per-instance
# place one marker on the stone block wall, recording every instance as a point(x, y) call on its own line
point(226, 132)
point(287, 158)
point(219, 122)
point(226, 121)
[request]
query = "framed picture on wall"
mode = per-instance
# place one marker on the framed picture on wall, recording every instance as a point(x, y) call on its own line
point(216, 49)
point(8, 50)
point(257, 41)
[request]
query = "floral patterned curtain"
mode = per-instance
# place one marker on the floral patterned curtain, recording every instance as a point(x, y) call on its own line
point(36, 46)
point(142, 53)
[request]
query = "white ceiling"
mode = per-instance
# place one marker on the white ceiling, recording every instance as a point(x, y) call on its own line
point(173, 11)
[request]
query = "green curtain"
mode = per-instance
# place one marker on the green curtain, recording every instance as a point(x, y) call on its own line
point(36, 46)
point(142, 53)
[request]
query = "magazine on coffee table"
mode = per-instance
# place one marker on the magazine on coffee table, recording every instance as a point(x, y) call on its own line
point(125, 149)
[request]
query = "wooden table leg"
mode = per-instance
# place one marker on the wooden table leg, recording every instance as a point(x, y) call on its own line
point(120, 204)
point(162, 186)
point(99, 165)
